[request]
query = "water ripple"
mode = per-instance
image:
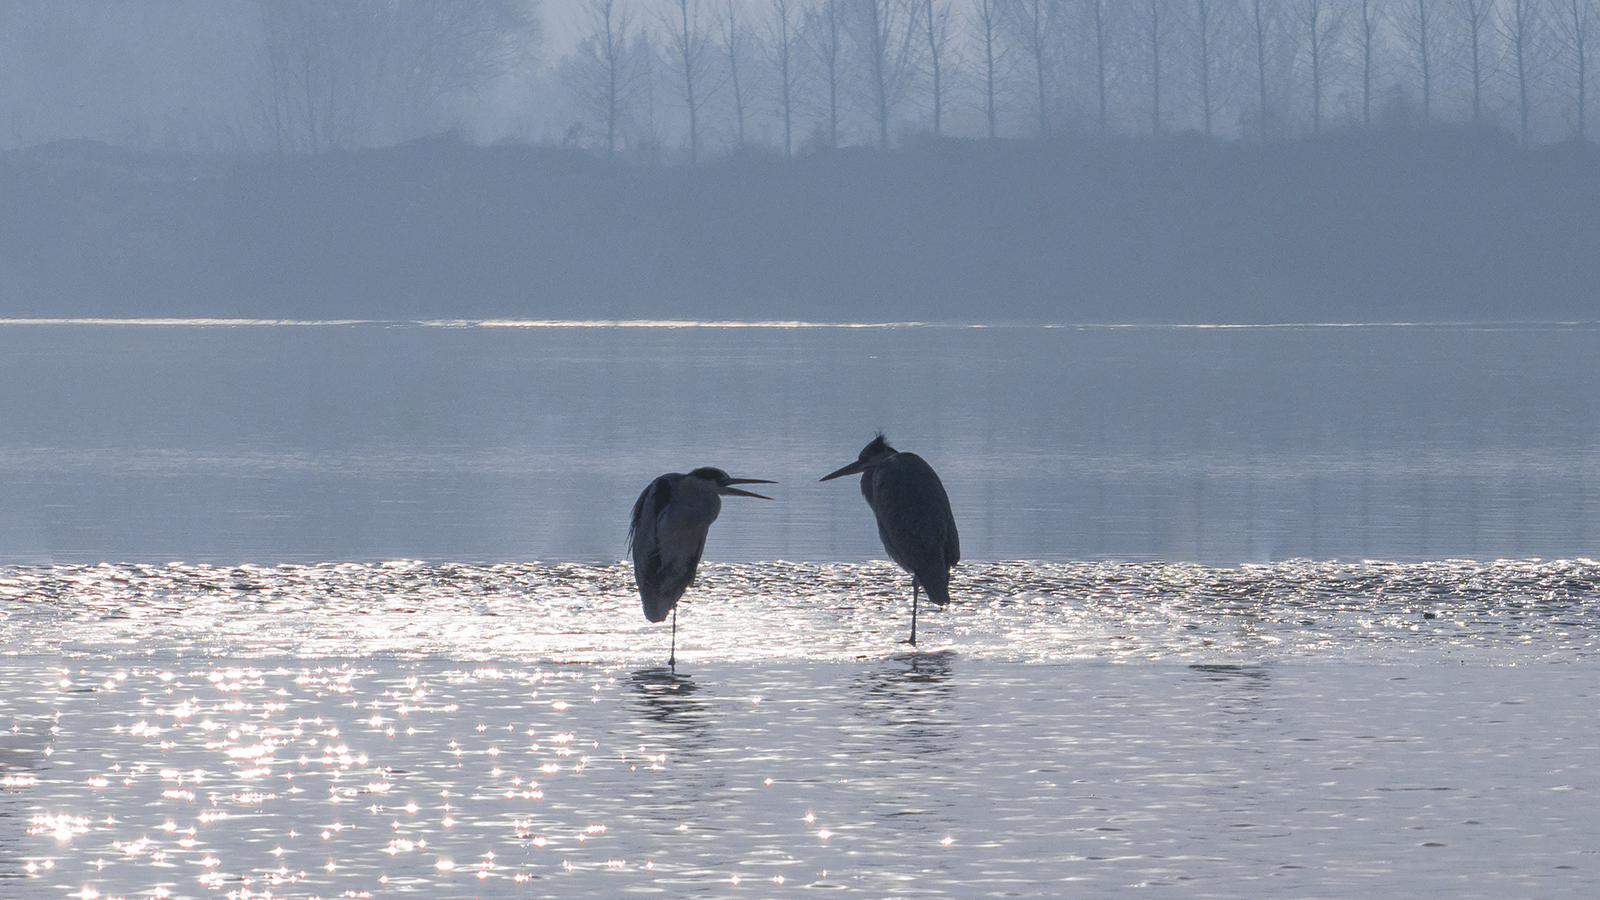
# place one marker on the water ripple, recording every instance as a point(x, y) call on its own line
point(1021, 611)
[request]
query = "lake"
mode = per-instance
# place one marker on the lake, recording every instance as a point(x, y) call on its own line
point(269, 443)
point(337, 610)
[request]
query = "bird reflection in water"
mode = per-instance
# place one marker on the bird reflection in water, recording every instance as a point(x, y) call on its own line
point(910, 695)
point(674, 728)
point(1229, 673)
point(664, 697)
point(1240, 691)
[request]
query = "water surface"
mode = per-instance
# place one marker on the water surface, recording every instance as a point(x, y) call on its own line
point(509, 730)
point(1300, 612)
point(272, 443)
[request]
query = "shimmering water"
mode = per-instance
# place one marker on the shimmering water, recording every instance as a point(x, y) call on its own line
point(1294, 730)
point(1025, 612)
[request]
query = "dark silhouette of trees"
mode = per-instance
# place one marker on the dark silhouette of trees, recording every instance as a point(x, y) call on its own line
point(1322, 23)
point(824, 35)
point(1368, 20)
point(843, 70)
point(1418, 29)
point(347, 74)
point(1519, 25)
point(602, 71)
point(689, 56)
point(780, 45)
point(1156, 27)
point(984, 25)
point(936, 28)
point(1477, 22)
point(1263, 25)
point(733, 30)
point(885, 34)
point(1033, 26)
point(1099, 18)
point(703, 77)
point(1574, 27)
point(1208, 23)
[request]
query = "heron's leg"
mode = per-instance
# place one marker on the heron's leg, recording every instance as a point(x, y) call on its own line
point(914, 585)
point(672, 655)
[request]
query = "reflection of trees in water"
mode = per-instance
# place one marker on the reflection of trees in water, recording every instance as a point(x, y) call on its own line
point(907, 702)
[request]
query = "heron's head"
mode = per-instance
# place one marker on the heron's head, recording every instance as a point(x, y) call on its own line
point(871, 454)
point(720, 482)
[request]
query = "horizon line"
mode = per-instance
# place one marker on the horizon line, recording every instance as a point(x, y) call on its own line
point(241, 322)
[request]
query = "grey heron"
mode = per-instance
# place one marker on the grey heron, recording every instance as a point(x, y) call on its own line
point(668, 535)
point(914, 518)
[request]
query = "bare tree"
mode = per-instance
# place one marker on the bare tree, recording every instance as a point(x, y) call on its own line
point(343, 74)
point(647, 57)
point(1209, 22)
point(1367, 26)
point(1415, 20)
point(1032, 24)
point(1099, 30)
point(825, 36)
point(449, 46)
point(601, 71)
point(884, 35)
point(1574, 27)
point(780, 46)
point(1262, 23)
point(733, 31)
point(1323, 23)
point(689, 53)
point(1154, 33)
point(936, 20)
point(1478, 22)
point(984, 26)
point(1519, 25)
point(305, 75)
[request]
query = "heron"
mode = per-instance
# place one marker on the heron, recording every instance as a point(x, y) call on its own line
point(914, 519)
point(668, 535)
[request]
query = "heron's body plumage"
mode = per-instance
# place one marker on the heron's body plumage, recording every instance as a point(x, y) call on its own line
point(914, 519)
point(668, 537)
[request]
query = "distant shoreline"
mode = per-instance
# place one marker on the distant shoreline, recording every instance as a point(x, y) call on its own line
point(1447, 225)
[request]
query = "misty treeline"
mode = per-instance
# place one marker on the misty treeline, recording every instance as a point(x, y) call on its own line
point(684, 79)
point(291, 76)
point(797, 74)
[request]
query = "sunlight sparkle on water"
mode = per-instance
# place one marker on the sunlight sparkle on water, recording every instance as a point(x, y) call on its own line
point(588, 614)
point(1274, 730)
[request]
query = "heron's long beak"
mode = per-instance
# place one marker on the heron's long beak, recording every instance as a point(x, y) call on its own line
point(724, 489)
point(851, 469)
